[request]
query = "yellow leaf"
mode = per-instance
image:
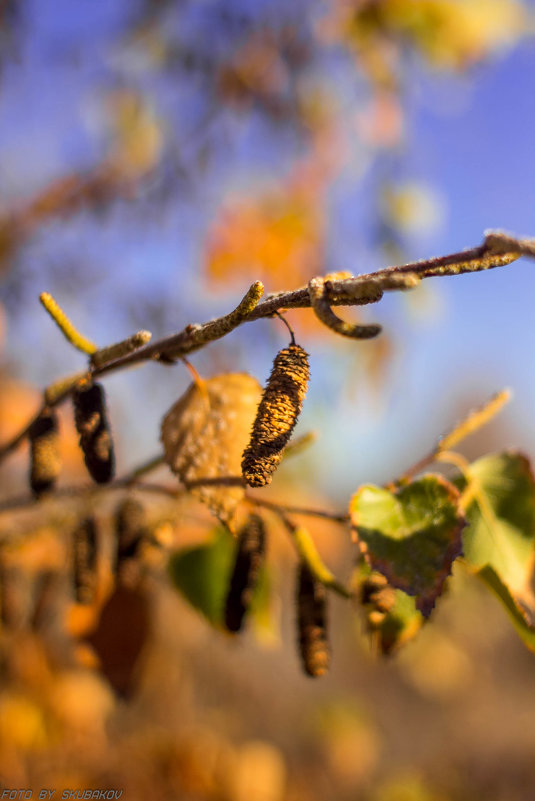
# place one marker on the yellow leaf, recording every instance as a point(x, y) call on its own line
point(205, 433)
point(277, 236)
point(138, 136)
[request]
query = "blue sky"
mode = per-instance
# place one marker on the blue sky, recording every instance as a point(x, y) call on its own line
point(470, 138)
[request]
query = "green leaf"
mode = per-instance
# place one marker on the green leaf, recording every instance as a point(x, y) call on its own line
point(412, 535)
point(401, 624)
point(501, 530)
point(517, 614)
point(202, 575)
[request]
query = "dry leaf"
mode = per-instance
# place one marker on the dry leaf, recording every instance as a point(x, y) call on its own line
point(205, 433)
point(122, 632)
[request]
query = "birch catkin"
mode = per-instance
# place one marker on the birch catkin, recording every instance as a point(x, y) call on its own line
point(85, 561)
point(92, 424)
point(249, 557)
point(312, 623)
point(378, 597)
point(130, 530)
point(276, 416)
point(45, 460)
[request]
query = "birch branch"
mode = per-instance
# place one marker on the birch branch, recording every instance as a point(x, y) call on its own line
point(498, 249)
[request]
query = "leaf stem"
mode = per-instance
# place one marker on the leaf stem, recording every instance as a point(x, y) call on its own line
point(336, 517)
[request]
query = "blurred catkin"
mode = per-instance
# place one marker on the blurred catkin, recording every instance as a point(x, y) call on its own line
point(312, 623)
point(45, 460)
point(248, 561)
point(378, 597)
point(85, 561)
point(130, 529)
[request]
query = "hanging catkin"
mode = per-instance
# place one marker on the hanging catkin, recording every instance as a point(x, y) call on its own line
point(379, 597)
point(130, 531)
point(276, 416)
point(312, 623)
point(45, 461)
point(95, 437)
point(84, 557)
point(15, 594)
point(249, 557)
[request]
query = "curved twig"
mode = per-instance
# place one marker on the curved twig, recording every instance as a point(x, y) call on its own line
point(320, 303)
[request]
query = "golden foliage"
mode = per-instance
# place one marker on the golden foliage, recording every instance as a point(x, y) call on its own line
point(205, 433)
point(18, 403)
point(137, 133)
point(455, 33)
point(276, 236)
point(450, 34)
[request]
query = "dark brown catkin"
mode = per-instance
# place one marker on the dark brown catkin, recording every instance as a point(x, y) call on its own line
point(15, 595)
point(312, 623)
point(91, 422)
point(248, 561)
point(372, 584)
point(45, 460)
point(378, 597)
point(130, 531)
point(277, 415)
point(84, 553)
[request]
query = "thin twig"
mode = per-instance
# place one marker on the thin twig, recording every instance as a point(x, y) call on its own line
point(113, 352)
point(143, 469)
point(475, 259)
point(336, 517)
point(309, 554)
point(468, 425)
point(283, 319)
point(27, 501)
point(498, 249)
point(299, 444)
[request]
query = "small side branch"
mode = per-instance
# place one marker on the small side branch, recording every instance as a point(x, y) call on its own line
point(320, 303)
point(308, 553)
point(59, 390)
point(336, 517)
point(65, 325)
point(473, 421)
point(215, 329)
point(113, 352)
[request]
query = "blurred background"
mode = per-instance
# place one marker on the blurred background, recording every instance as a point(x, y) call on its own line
point(156, 157)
